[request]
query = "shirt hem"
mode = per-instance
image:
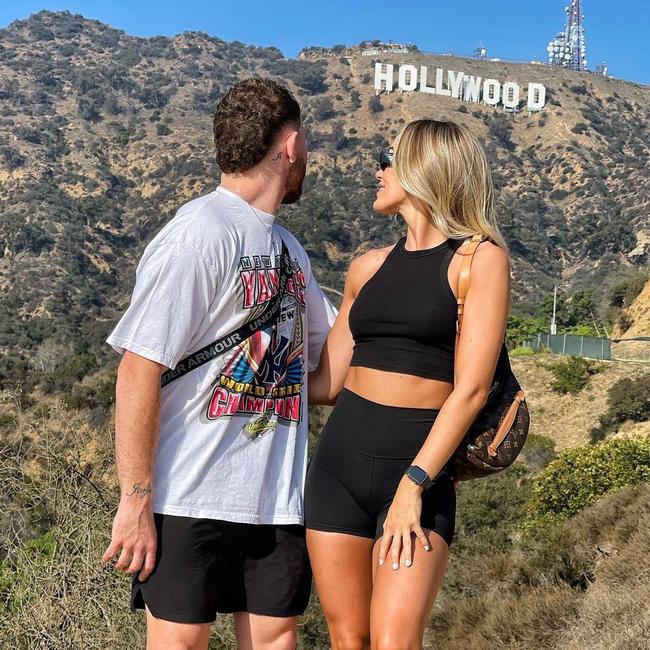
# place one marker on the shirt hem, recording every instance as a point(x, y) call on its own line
point(236, 517)
point(415, 372)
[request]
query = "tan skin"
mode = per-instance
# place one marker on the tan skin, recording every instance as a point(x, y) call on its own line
point(137, 416)
point(379, 594)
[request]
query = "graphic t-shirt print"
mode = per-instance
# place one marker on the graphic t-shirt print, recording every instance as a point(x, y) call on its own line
point(263, 375)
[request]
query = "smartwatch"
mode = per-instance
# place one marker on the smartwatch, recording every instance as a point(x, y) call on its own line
point(419, 476)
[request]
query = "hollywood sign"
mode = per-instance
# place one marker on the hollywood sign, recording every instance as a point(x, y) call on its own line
point(459, 85)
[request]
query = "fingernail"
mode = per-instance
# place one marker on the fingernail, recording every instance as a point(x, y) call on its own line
point(380, 561)
point(395, 565)
point(408, 562)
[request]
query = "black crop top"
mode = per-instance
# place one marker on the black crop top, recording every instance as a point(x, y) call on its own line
point(404, 317)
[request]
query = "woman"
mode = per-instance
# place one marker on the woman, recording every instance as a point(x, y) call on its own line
point(378, 537)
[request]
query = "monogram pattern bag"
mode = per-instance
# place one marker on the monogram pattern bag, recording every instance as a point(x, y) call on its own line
point(499, 431)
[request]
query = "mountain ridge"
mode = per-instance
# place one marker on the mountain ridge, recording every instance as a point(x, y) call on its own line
point(104, 135)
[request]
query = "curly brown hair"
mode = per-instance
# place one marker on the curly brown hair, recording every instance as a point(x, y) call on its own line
point(247, 120)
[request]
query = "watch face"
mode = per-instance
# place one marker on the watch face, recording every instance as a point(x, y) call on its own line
point(417, 474)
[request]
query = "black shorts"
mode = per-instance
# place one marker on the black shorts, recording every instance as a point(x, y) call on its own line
point(358, 463)
point(209, 566)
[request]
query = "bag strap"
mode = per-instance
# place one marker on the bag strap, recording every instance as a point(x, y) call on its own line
point(463, 279)
point(227, 342)
point(463, 287)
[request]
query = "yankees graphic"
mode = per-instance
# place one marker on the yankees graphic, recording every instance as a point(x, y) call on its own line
point(263, 375)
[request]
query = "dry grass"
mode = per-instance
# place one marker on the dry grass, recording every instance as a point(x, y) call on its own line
point(56, 593)
point(568, 419)
point(581, 584)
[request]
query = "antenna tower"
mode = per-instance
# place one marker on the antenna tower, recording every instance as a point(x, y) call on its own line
point(568, 49)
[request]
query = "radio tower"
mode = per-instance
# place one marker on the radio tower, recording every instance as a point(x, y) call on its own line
point(568, 48)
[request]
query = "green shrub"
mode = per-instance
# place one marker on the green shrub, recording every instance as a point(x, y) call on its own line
point(580, 476)
point(627, 399)
point(66, 374)
point(572, 375)
point(521, 352)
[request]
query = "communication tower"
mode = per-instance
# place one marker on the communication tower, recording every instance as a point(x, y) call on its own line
point(480, 51)
point(568, 48)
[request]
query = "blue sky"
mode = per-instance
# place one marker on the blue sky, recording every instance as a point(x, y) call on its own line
point(617, 31)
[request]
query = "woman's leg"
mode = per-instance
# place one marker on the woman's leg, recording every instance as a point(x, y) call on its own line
point(402, 599)
point(342, 568)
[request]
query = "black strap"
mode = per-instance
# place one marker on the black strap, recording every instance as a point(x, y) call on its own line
point(225, 343)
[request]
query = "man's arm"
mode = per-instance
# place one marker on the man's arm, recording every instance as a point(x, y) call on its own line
point(137, 420)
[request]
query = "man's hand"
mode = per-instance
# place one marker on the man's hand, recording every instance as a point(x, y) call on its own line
point(134, 533)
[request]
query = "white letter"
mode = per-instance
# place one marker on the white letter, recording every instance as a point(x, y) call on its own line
point(511, 94)
point(423, 82)
point(439, 89)
point(536, 96)
point(491, 92)
point(455, 82)
point(472, 89)
point(386, 77)
point(412, 73)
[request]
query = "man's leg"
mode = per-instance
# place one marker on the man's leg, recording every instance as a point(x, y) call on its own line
point(165, 635)
point(277, 584)
point(255, 632)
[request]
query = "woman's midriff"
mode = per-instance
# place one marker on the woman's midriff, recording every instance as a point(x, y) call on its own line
point(397, 388)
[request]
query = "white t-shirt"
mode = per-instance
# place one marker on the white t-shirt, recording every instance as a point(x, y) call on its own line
point(213, 267)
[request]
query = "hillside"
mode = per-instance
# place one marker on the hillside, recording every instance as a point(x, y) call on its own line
point(103, 135)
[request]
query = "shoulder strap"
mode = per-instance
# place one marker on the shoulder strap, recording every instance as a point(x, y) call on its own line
point(463, 287)
point(463, 278)
point(225, 343)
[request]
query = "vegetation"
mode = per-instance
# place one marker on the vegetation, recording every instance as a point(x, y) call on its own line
point(580, 476)
point(571, 375)
point(106, 135)
point(627, 399)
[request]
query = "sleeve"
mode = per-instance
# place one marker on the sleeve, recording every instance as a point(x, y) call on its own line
point(321, 315)
point(174, 288)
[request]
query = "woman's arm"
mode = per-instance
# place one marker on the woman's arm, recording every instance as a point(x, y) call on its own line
point(326, 382)
point(481, 339)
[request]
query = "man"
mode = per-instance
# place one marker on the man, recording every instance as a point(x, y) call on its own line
point(225, 320)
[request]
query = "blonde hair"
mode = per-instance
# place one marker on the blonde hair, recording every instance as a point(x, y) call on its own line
point(443, 165)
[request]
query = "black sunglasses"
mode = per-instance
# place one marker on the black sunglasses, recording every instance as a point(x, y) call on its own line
point(385, 158)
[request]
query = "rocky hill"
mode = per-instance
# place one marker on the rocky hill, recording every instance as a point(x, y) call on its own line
point(103, 135)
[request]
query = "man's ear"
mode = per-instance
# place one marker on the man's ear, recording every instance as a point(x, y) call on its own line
point(291, 145)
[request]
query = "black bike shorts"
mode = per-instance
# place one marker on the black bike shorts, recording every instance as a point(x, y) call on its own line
point(205, 566)
point(357, 465)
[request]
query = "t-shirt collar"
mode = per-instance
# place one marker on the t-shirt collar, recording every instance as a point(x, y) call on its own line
point(266, 218)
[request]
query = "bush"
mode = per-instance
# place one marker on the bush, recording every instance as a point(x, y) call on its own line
point(572, 375)
point(627, 399)
point(375, 104)
point(580, 476)
point(66, 374)
point(521, 352)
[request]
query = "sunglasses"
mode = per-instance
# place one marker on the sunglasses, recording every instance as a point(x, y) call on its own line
point(385, 158)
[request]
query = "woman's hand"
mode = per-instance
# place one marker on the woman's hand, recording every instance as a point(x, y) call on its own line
point(402, 521)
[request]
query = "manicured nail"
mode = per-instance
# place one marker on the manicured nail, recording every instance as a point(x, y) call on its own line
point(395, 565)
point(380, 561)
point(408, 562)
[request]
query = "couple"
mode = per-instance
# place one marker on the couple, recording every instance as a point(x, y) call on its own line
point(211, 395)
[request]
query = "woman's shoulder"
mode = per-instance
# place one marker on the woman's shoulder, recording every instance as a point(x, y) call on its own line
point(490, 266)
point(364, 266)
point(487, 251)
